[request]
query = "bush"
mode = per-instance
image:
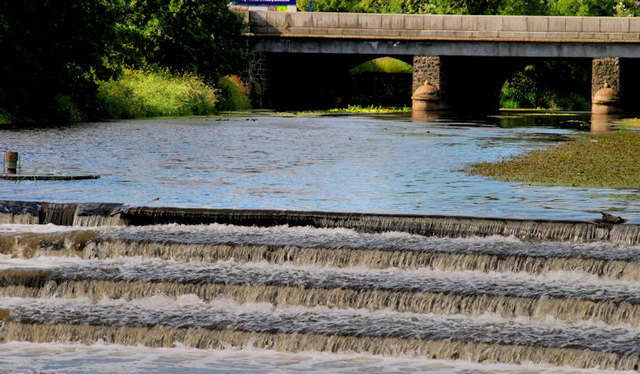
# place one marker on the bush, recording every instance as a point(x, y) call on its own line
point(551, 84)
point(232, 94)
point(156, 93)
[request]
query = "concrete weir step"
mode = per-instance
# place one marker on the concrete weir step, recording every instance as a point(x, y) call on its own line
point(101, 214)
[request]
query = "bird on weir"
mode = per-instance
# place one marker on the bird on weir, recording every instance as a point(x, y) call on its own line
point(609, 218)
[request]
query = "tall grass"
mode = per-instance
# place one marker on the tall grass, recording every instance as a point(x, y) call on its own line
point(156, 93)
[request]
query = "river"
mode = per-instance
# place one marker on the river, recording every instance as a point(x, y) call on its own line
point(377, 163)
point(372, 285)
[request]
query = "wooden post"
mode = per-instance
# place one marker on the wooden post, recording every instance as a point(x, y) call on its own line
point(11, 162)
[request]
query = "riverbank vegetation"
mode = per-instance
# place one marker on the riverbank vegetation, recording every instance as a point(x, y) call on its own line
point(372, 109)
point(57, 53)
point(549, 84)
point(602, 161)
point(156, 93)
point(624, 8)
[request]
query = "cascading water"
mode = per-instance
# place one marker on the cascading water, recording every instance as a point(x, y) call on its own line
point(453, 288)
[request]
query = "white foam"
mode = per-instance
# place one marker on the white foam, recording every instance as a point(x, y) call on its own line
point(15, 228)
point(20, 357)
point(41, 262)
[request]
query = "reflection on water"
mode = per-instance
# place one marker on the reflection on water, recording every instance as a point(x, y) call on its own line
point(385, 163)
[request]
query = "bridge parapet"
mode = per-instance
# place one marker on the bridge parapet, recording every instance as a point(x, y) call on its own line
point(444, 27)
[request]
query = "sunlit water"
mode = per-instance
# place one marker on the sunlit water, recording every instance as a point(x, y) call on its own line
point(385, 163)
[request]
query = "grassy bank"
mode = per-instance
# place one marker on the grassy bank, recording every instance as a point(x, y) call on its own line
point(372, 109)
point(356, 109)
point(158, 93)
point(604, 161)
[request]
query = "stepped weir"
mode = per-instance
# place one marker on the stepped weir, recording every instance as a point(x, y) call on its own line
point(564, 293)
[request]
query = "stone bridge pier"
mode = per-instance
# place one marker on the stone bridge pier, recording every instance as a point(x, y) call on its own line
point(615, 85)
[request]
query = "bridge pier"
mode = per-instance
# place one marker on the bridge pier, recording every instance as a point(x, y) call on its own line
point(615, 85)
point(257, 79)
point(605, 86)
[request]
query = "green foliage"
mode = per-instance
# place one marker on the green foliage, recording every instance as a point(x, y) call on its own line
point(156, 93)
point(232, 96)
point(382, 65)
point(552, 84)
point(372, 109)
point(625, 8)
point(533, 7)
point(581, 7)
point(52, 51)
point(200, 37)
point(355, 109)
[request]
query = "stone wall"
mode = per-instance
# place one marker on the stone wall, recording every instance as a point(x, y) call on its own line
point(426, 68)
point(257, 79)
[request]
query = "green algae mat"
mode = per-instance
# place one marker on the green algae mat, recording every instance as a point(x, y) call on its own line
point(603, 161)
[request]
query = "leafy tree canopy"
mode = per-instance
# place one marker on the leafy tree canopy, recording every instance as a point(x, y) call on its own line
point(481, 7)
point(54, 51)
point(201, 37)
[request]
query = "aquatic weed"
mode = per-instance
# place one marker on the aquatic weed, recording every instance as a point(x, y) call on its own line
point(603, 161)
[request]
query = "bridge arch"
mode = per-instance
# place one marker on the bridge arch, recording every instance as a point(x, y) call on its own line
point(309, 81)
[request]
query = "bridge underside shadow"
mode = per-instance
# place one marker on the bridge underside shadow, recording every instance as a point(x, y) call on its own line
point(304, 81)
point(469, 84)
point(318, 81)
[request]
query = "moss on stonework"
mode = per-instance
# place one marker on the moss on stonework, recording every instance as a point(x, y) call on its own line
point(603, 161)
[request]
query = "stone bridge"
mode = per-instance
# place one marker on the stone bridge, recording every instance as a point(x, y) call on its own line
point(301, 56)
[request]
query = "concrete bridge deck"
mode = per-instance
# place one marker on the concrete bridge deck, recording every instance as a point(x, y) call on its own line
point(444, 35)
point(576, 36)
point(427, 26)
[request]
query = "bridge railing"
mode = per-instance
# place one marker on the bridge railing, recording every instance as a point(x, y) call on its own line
point(449, 27)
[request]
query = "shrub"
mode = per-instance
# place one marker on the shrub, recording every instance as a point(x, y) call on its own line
point(156, 93)
point(232, 95)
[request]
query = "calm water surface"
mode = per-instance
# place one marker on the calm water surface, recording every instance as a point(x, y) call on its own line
point(383, 163)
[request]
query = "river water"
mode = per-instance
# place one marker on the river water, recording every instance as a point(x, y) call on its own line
point(383, 163)
point(373, 297)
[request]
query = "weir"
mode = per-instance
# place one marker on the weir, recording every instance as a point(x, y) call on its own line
point(101, 214)
point(459, 288)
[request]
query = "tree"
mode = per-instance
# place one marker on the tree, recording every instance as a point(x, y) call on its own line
point(52, 52)
point(197, 36)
